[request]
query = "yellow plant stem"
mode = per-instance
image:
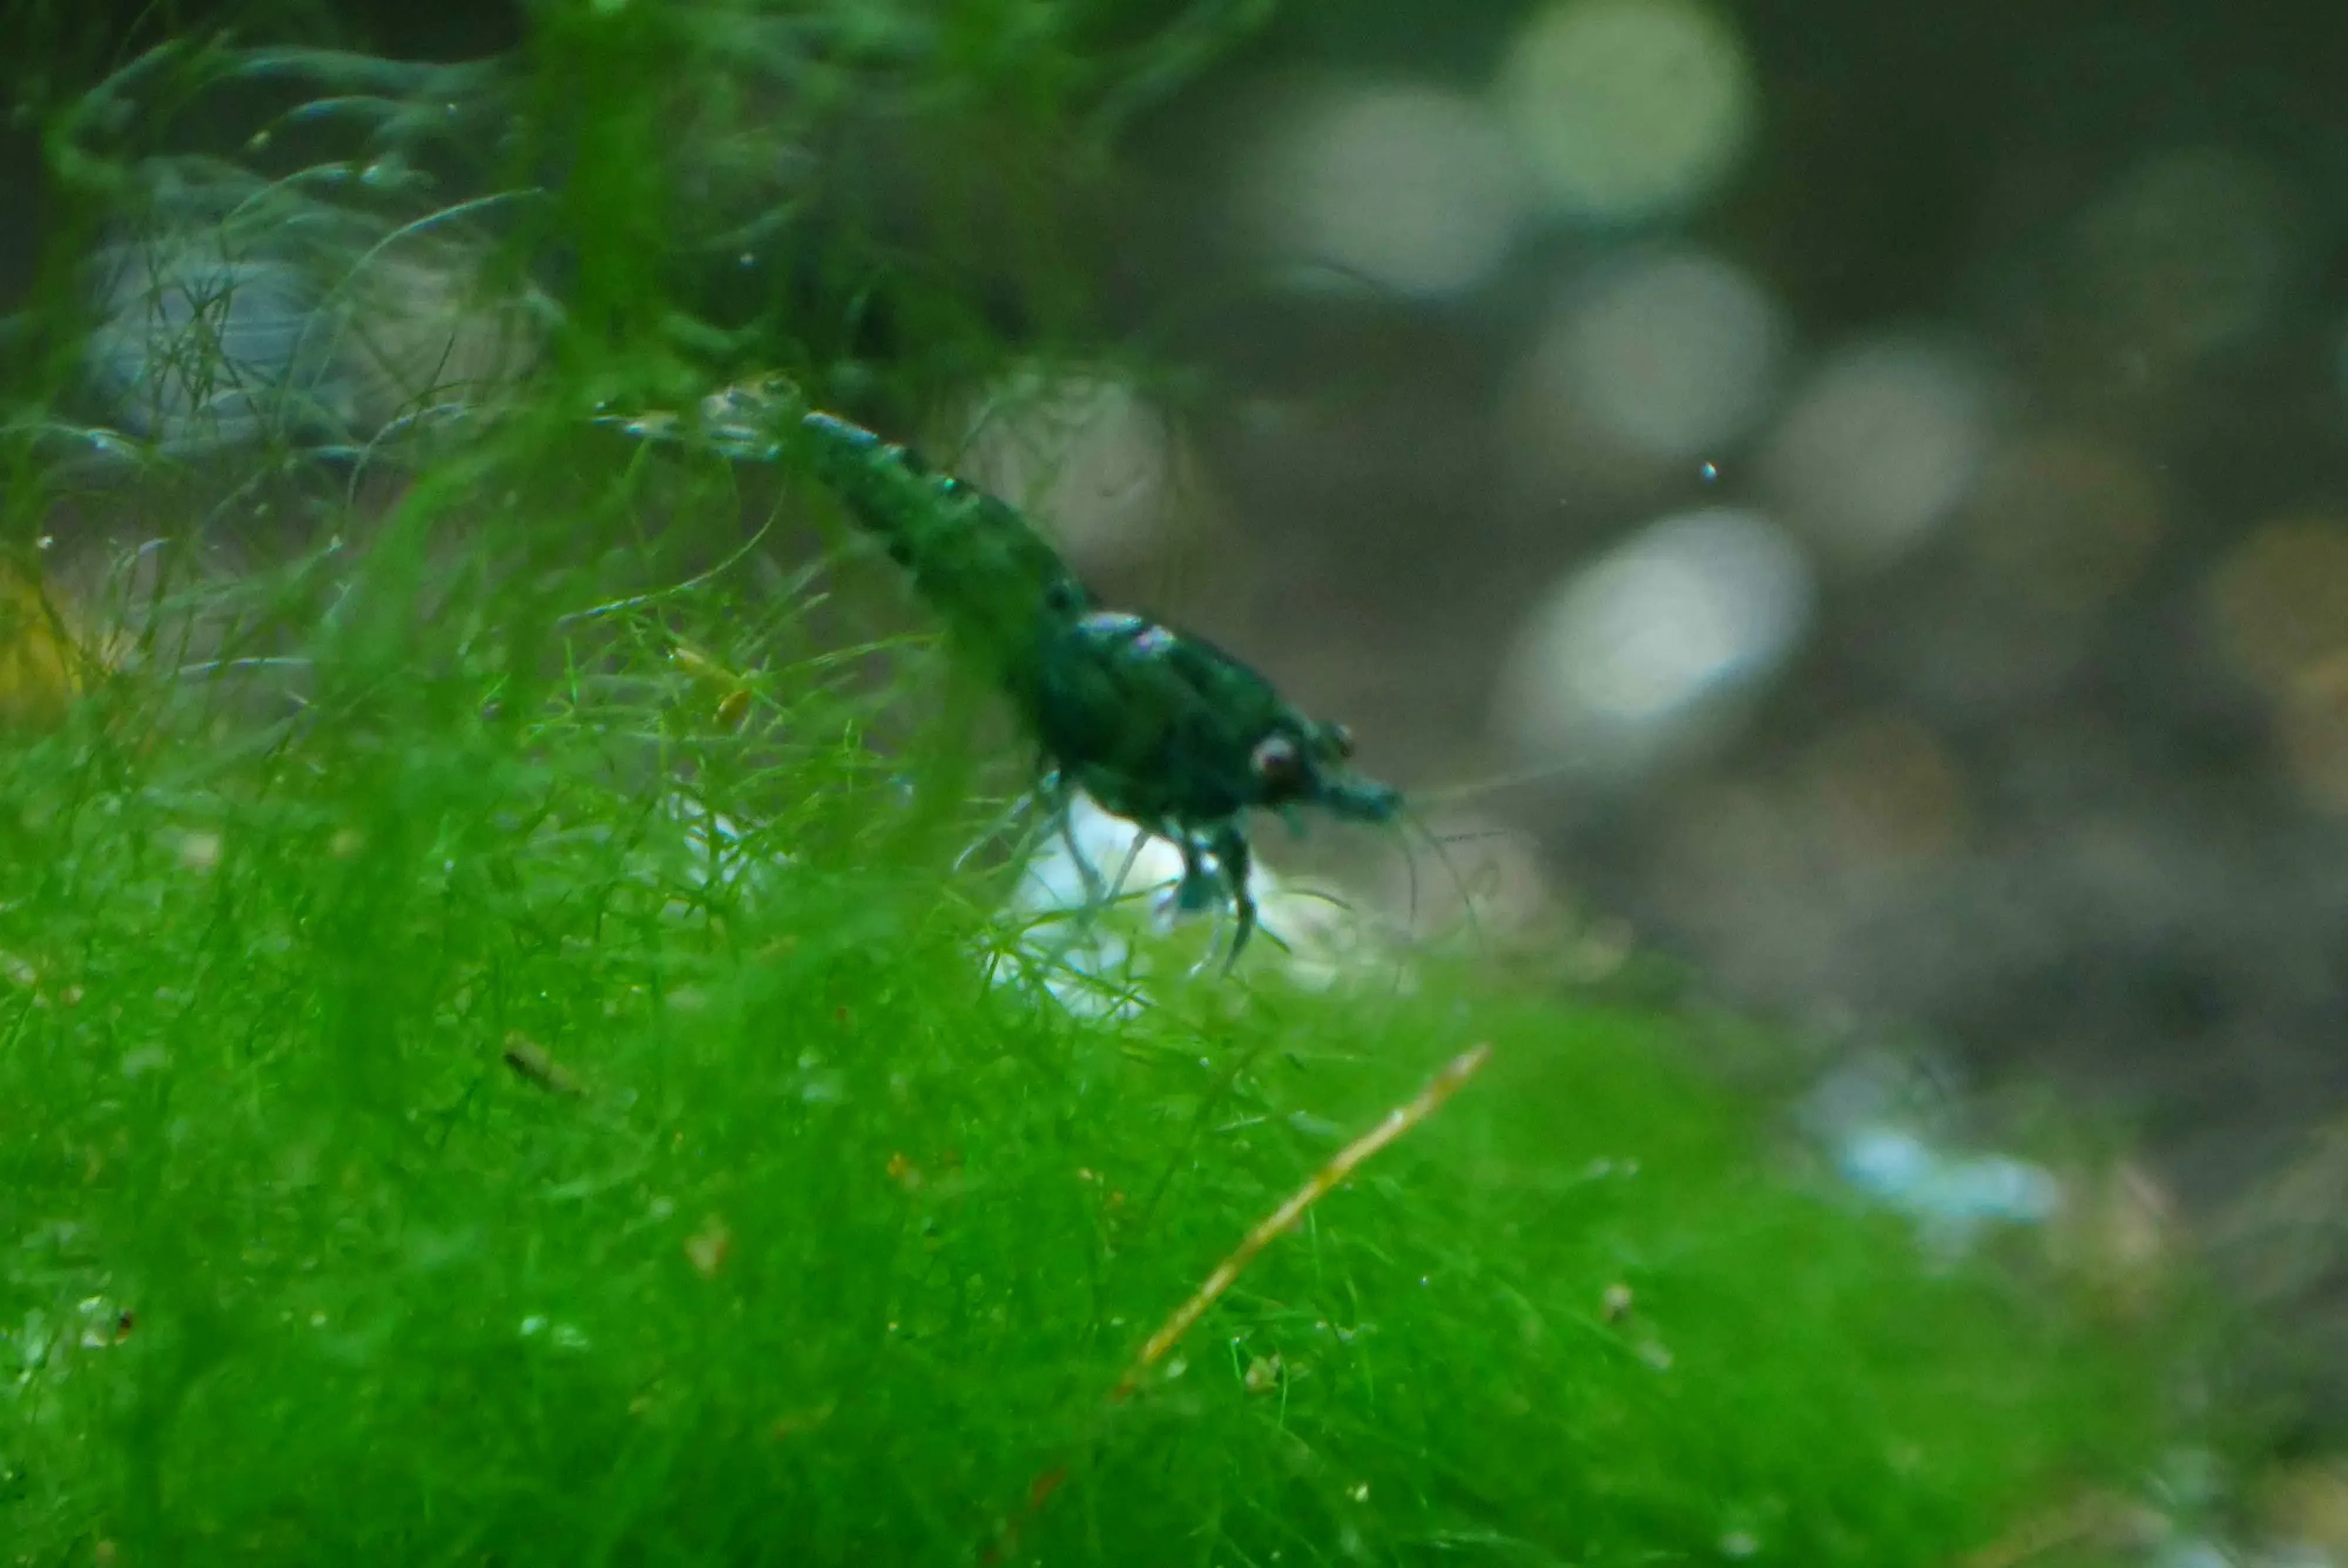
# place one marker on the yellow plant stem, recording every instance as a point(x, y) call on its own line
point(1349, 1159)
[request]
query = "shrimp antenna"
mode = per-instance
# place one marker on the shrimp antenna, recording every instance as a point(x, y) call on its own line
point(1498, 781)
point(1466, 895)
point(1478, 835)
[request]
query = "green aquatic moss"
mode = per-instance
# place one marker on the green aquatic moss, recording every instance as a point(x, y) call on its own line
point(418, 1150)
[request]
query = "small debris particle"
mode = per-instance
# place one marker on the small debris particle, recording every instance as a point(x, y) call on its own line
point(1615, 1305)
point(904, 1172)
point(1262, 1374)
point(701, 666)
point(199, 851)
point(708, 1248)
point(797, 1423)
point(531, 1061)
point(1041, 1489)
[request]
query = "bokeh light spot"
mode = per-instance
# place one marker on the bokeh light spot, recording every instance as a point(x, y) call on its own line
point(1662, 359)
point(2188, 252)
point(1628, 109)
point(2281, 601)
point(1410, 188)
point(1086, 454)
point(1876, 450)
point(1645, 651)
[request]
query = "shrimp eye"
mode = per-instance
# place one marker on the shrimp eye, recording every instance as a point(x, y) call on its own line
point(1276, 759)
point(1341, 740)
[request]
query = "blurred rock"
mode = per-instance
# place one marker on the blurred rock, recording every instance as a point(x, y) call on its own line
point(1885, 795)
point(200, 349)
point(2067, 522)
point(46, 657)
point(233, 313)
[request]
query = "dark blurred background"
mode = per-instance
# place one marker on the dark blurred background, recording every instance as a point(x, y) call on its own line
point(1890, 461)
point(1857, 492)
